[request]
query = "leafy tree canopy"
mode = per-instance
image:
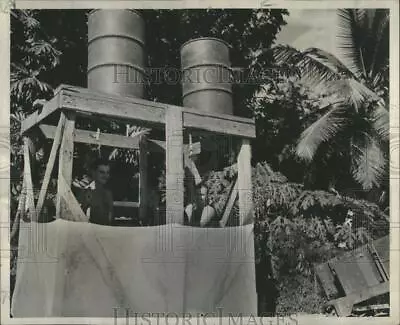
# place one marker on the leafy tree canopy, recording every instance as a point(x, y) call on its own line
point(352, 126)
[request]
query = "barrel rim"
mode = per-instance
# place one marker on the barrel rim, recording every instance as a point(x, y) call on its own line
point(220, 89)
point(126, 36)
point(206, 38)
point(212, 64)
point(127, 64)
point(136, 11)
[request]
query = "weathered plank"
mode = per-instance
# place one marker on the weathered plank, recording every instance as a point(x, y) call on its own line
point(110, 106)
point(344, 306)
point(50, 164)
point(20, 210)
point(381, 252)
point(136, 109)
point(65, 160)
point(23, 198)
point(326, 280)
point(159, 146)
point(89, 137)
point(28, 179)
point(244, 183)
point(70, 203)
point(37, 239)
point(33, 119)
point(143, 170)
point(114, 140)
point(229, 205)
point(174, 166)
point(219, 123)
point(126, 204)
point(89, 102)
point(349, 275)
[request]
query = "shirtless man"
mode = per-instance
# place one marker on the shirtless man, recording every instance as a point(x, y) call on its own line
point(97, 197)
point(200, 213)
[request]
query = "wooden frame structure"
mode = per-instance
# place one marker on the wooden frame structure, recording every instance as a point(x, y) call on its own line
point(356, 276)
point(70, 102)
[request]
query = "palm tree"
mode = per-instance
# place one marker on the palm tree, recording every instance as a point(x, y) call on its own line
point(355, 117)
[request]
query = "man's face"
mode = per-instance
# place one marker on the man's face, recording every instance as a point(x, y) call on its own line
point(102, 174)
point(203, 194)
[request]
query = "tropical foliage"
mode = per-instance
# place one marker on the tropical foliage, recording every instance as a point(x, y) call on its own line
point(353, 125)
point(296, 228)
point(319, 120)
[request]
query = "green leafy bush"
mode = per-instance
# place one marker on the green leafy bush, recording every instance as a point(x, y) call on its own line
point(297, 228)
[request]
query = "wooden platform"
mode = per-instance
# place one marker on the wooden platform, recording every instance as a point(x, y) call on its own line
point(129, 109)
point(70, 103)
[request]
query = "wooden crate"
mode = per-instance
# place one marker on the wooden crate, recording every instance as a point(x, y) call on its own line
point(356, 276)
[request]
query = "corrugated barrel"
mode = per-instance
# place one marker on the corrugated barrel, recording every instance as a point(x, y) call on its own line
point(116, 53)
point(206, 75)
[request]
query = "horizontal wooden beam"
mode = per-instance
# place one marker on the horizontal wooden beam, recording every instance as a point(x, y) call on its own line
point(92, 103)
point(195, 150)
point(89, 137)
point(126, 204)
point(114, 140)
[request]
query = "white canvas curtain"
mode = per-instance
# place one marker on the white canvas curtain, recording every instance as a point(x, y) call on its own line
point(79, 269)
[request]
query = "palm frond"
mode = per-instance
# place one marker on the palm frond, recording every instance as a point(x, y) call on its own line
point(351, 37)
point(368, 162)
point(313, 70)
point(322, 130)
point(352, 92)
point(329, 60)
point(378, 43)
point(380, 121)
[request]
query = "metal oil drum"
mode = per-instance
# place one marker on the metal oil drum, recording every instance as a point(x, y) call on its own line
point(116, 52)
point(206, 75)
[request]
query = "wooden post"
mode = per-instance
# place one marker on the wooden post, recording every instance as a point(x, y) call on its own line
point(20, 210)
point(65, 161)
point(244, 183)
point(28, 179)
point(50, 164)
point(143, 170)
point(174, 165)
point(37, 239)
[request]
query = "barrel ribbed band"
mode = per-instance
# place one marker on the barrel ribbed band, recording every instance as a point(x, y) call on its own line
point(91, 12)
point(228, 91)
point(204, 39)
point(130, 65)
point(125, 36)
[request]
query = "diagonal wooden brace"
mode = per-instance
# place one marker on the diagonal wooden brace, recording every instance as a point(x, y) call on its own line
point(28, 179)
point(50, 164)
point(229, 205)
point(71, 203)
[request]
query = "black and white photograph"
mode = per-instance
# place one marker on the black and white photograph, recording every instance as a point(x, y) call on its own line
point(199, 164)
